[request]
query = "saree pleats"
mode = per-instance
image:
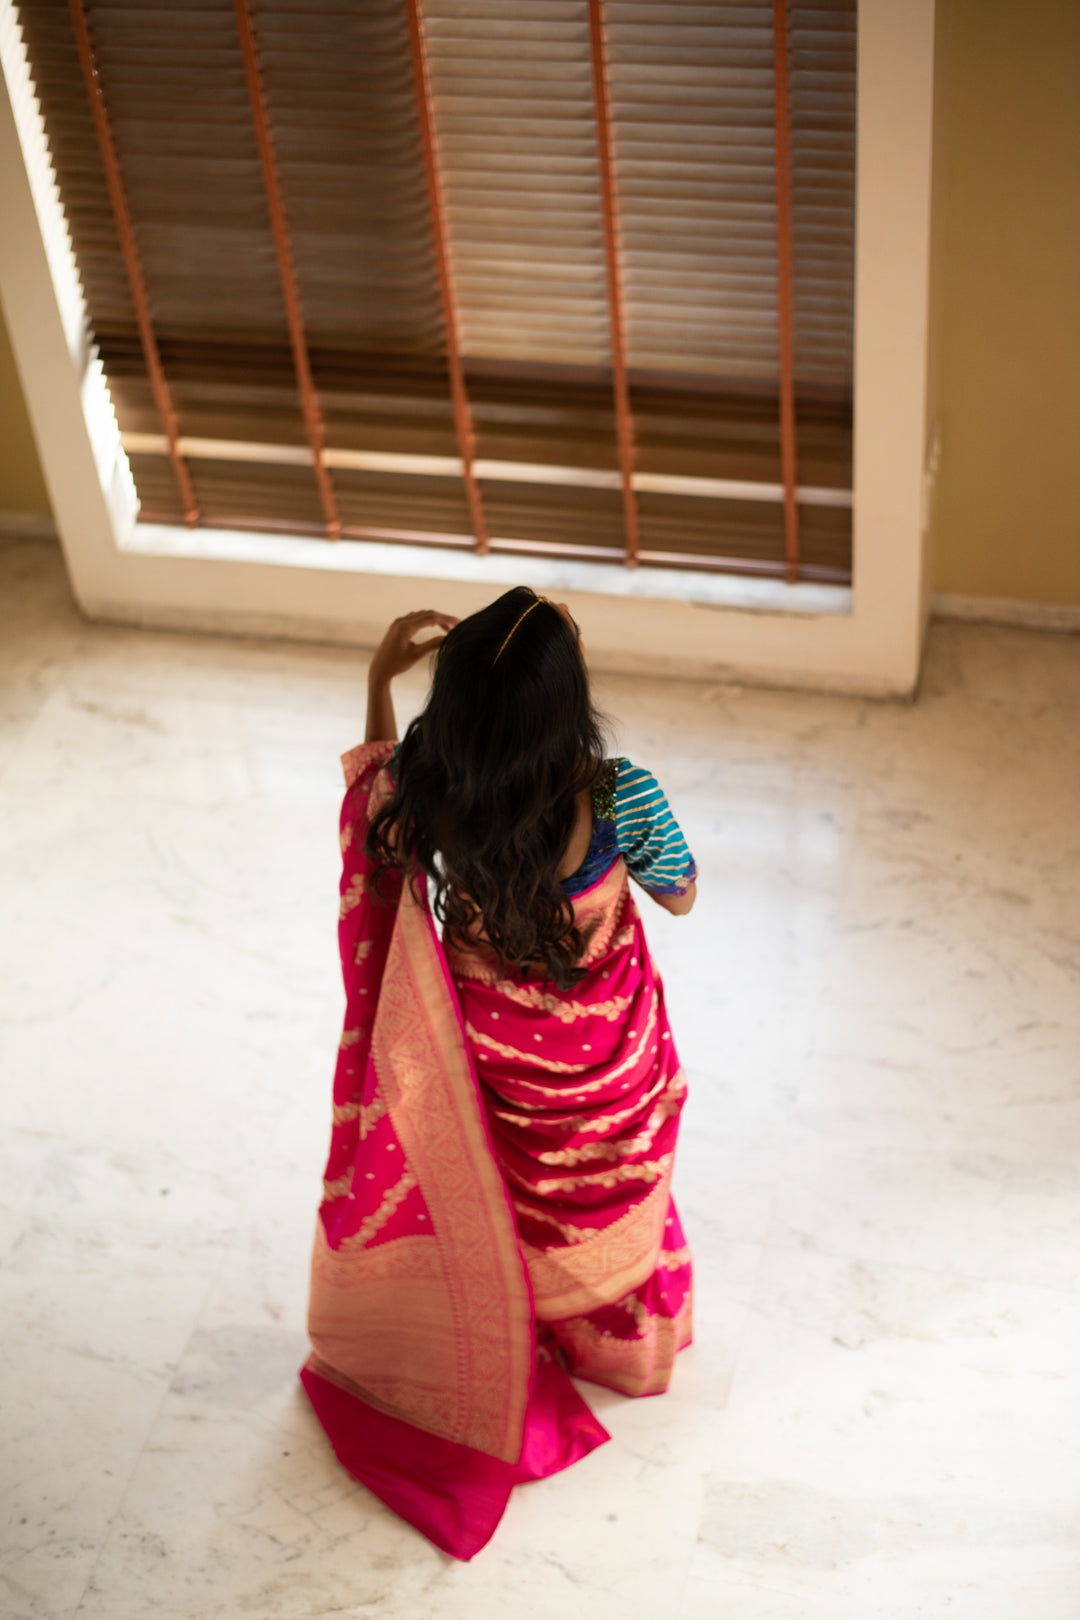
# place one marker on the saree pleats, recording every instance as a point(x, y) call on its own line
point(498, 1174)
point(583, 1091)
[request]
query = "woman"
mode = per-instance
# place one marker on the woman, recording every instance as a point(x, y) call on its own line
point(496, 1211)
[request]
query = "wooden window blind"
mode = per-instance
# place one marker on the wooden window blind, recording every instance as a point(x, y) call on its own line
point(467, 271)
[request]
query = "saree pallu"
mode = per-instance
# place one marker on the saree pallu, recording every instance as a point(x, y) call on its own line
point(496, 1212)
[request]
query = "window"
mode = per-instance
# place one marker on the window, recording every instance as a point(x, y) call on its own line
point(563, 334)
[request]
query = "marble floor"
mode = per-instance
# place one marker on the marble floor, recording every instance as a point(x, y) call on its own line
point(877, 1004)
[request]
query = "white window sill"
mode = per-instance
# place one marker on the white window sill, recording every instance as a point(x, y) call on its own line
point(732, 591)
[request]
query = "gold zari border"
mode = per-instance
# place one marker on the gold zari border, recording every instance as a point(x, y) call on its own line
point(638, 1366)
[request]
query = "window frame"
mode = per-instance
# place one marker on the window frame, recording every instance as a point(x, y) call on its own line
point(868, 638)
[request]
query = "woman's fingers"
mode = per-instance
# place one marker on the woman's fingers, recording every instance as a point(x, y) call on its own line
point(413, 623)
point(419, 648)
point(428, 616)
point(410, 652)
point(398, 651)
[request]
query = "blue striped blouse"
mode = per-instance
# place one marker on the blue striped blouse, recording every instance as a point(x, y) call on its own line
point(632, 817)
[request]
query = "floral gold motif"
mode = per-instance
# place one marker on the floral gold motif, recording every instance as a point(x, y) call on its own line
point(376, 1221)
point(572, 1234)
point(368, 1114)
point(664, 1110)
point(565, 1010)
point(536, 1060)
point(647, 1170)
point(341, 1188)
point(353, 894)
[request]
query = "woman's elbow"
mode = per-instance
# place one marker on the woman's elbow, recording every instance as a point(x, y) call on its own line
point(678, 904)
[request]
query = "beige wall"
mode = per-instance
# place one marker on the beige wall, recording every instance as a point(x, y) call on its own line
point(22, 487)
point(935, 368)
point(1007, 507)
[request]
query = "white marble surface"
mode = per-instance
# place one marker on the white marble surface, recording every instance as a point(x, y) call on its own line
point(877, 1003)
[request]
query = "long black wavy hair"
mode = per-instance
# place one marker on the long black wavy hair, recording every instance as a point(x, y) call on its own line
point(487, 782)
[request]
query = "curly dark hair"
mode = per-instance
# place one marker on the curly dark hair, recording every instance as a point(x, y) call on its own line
point(487, 782)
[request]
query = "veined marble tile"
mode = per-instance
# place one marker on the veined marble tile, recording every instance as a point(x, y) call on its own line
point(100, 1286)
point(896, 1443)
point(75, 1426)
point(875, 1003)
point(993, 1584)
point(249, 1508)
point(1001, 668)
point(94, 1328)
point(40, 634)
point(966, 1213)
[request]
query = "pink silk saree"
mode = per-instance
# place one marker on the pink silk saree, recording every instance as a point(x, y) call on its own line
point(496, 1212)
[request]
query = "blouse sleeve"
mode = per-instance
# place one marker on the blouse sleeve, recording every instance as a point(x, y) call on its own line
point(648, 835)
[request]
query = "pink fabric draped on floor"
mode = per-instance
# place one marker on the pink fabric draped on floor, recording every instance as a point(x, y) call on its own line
point(496, 1211)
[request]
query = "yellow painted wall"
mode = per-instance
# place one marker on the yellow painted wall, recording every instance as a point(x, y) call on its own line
point(1007, 519)
point(22, 488)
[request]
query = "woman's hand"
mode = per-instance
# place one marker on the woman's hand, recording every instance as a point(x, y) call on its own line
point(396, 653)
